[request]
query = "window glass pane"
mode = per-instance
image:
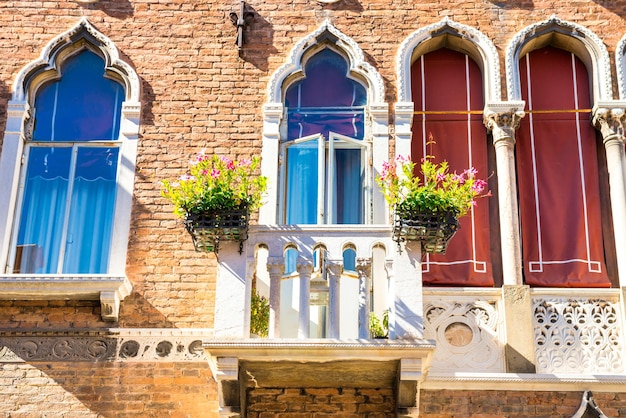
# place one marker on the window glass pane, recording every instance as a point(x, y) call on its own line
point(302, 183)
point(43, 210)
point(349, 192)
point(83, 105)
point(326, 100)
point(349, 259)
point(91, 214)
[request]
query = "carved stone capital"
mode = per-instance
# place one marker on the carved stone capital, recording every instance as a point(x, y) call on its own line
point(335, 267)
point(503, 122)
point(610, 122)
point(363, 266)
point(275, 266)
point(304, 267)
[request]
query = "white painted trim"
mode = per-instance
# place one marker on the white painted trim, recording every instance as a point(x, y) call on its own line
point(474, 39)
point(109, 289)
point(597, 53)
point(525, 382)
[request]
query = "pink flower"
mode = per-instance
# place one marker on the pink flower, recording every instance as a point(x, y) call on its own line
point(215, 173)
point(459, 178)
point(441, 177)
point(244, 162)
point(478, 186)
point(186, 177)
point(229, 163)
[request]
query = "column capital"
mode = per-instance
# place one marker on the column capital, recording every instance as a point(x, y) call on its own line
point(610, 118)
point(363, 266)
point(502, 119)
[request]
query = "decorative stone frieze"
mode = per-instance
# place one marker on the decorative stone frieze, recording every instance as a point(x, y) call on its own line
point(124, 345)
point(578, 334)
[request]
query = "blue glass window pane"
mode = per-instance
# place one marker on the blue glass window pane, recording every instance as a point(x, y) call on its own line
point(302, 183)
point(90, 225)
point(348, 183)
point(82, 106)
point(43, 210)
point(326, 99)
point(349, 259)
point(291, 259)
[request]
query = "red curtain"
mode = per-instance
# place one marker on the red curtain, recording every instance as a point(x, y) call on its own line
point(446, 85)
point(558, 174)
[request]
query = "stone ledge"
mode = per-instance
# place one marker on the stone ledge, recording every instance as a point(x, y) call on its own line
point(111, 290)
point(525, 382)
point(238, 363)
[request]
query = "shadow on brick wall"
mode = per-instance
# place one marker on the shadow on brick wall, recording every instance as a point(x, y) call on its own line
point(5, 96)
point(120, 9)
point(514, 4)
point(258, 41)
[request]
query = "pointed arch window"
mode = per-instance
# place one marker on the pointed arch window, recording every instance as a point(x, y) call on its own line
point(558, 174)
point(447, 91)
point(325, 153)
point(66, 204)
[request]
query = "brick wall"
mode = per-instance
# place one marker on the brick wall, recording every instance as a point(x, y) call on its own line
point(320, 403)
point(548, 404)
point(197, 93)
point(83, 389)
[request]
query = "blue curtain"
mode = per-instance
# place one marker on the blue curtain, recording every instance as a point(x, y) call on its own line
point(302, 183)
point(89, 224)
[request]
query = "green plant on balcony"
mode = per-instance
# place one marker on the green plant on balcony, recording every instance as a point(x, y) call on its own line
point(427, 206)
point(259, 315)
point(379, 328)
point(215, 198)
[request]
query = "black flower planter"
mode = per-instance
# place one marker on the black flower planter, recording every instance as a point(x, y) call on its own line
point(209, 228)
point(433, 230)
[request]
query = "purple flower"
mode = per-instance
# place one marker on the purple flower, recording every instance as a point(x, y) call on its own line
point(215, 173)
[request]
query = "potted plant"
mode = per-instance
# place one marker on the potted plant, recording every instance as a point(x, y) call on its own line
point(378, 328)
point(215, 198)
point(427, 207)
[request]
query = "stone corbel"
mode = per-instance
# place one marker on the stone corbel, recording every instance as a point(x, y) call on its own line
point(226, 373)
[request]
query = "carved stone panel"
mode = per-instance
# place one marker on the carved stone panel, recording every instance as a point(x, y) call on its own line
point(467, 334)
point(580, 336)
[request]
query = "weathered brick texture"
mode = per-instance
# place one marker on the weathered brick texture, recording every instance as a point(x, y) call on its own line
point(492, 404)
point(198, 93)
point(320, 402)
point(86, 389)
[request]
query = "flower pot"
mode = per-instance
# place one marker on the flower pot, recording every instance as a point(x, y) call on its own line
point(433, 230)
point(207, 229)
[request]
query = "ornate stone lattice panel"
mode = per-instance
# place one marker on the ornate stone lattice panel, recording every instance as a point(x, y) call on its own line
point(468, 332)
point(578, 335)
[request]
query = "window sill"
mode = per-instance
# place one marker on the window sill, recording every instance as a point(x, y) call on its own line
point(111, 290)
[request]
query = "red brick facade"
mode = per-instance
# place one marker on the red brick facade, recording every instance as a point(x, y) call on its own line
point(198, 93)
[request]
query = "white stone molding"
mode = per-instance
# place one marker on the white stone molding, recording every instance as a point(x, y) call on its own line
point(377, 111)
point(357, 64)
point(474, 42)
point(575, 38)
point(578, 334)
point(110, 290)
point(525, 382)
point(83, 30)
point(620, 64)
point(469, 329)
